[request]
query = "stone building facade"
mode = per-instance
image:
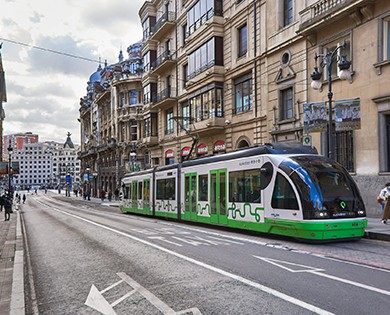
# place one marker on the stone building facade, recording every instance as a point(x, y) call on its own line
point(220, 75)
point(109, 116)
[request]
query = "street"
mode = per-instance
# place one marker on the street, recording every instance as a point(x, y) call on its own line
point(87, 258)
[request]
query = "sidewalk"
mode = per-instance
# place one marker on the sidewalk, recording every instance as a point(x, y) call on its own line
point(376, 230)
point(11, 265)
point(11, 257)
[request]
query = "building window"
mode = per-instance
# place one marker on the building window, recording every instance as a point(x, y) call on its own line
point(202, 11)
point(133, 130)
point(384, 39)
point(206, 56)
point(169, 122)
point(185, 74)
point(185, 113)
point(133, 97)
point(207, 104)
point(149, 60)
point(286, 104)
point(150, 93)
point(343, 145)
point(243, 94)
point(123, 100)
point(340, 52)
point(242, 40)
point(287, 12)
point(150, 125)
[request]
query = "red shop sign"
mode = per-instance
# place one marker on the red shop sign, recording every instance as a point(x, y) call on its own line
point(169, 154)
point(219, 146)
point(185, 151)
point(202, 149)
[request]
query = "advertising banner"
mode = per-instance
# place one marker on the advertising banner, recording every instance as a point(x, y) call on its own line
point(347, 114)
point(315, 118)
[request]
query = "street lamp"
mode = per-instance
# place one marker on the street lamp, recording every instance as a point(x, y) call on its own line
point(10, 149)
point(344, 74)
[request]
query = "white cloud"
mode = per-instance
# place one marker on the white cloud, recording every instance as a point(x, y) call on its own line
point(44, 88)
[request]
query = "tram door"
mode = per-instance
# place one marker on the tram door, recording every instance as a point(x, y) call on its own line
point(146, 195)
point(190, 195)
point(218, 196)
point(134, 203)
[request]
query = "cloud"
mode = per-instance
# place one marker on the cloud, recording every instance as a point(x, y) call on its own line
point(36, 18)
point(55, 57)
point(46, 117)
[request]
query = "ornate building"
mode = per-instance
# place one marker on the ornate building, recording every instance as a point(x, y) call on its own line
point(109, 115)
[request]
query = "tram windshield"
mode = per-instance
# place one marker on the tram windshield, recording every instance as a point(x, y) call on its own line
point(325, 187)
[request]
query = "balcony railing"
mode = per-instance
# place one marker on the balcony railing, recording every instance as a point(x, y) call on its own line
point(169, 92)
point(319, 8)
point(166, 17)
point(165, 56)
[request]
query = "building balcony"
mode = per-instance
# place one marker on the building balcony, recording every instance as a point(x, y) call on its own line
point(149, 141)
point(165, 98)
point(326, 12)
point(163, 62)
point(164, 25)
point(209, 126)
point(129, 112)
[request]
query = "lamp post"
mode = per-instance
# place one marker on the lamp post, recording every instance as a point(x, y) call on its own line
point(344, 74)
point(10, 149)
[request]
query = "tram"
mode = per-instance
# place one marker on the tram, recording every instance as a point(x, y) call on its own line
point(284, 189)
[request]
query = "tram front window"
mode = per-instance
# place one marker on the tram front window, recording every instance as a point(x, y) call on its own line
point(326, 188)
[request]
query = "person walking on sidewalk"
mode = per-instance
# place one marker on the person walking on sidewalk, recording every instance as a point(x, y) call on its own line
point(102, 194)
point(7, 208)
point(384, 198)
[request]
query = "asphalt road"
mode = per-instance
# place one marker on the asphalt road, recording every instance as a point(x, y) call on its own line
point(90, 259)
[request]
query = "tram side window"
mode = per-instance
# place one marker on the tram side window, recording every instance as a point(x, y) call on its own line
point(139, 190)
point(126, 192)
point(203, 187)
point(166, 189)
point(283, 196)
point(134, 192)
point(244, 186)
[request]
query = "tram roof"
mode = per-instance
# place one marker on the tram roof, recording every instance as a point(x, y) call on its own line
point(268, 148)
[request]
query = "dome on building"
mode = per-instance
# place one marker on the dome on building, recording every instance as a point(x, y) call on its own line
point(95, 77)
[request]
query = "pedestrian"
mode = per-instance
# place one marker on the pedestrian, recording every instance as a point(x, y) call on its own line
point(109, 195)
point(116, 193)
point(102, 194)
point(7, 208)
point(24, 198)
point(383, 198)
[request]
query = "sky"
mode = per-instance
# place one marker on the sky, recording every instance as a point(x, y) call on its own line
point(44, 88)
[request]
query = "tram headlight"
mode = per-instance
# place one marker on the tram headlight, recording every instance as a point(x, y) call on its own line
point(321, 214)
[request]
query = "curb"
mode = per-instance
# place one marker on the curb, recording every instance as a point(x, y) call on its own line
point(377, 236)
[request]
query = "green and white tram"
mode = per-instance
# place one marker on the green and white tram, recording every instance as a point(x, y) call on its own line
point(284, 189)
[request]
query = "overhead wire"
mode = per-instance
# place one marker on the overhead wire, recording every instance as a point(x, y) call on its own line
point(48, 50)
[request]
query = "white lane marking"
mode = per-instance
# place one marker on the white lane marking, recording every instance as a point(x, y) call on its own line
point(96, 301)
point(162, 238)
point(164, 308)
point(363, 264)
point(209, 267)
point(282, 264)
